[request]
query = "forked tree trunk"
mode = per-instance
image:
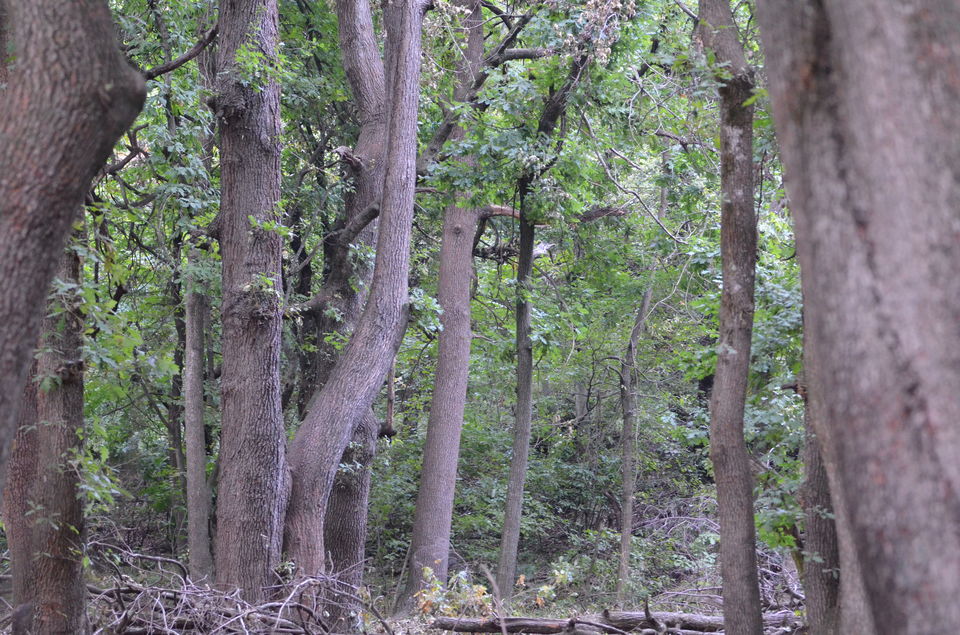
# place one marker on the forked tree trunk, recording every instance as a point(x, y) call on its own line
point(45, 513)
point(68, 99)
point(738, 245)
point(867, 107)
point(628, 405)
point(196, 316)
point(319, 443)
point(430, 543)
point(252, 491)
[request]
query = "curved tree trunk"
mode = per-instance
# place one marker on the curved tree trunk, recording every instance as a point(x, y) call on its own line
point(253, 482)
point(867, 107)
point(319, 444)
point(68, 99)
point(46, 512)
point(738, 244)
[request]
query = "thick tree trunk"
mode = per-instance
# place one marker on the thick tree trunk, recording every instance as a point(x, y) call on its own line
point(628, 405)
point(348, 393)
point(197, 313)
point(430, 543)
point(48, 540)
point(68, 99)
point(867, 108)
point(738, 243)
point(253, 481)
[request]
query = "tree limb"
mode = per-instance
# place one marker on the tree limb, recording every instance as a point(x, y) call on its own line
point(205, 41)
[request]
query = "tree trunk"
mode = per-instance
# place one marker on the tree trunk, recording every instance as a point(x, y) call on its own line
point(197, 312)
point(345, 527)
point(348, 393)
point(628, 404)
point(68, 99)
point(430, 543)
point(738, 244)
point(47, 543)
point(253, 482)
point(821, 569)
point(510, 539)
point(866, 101)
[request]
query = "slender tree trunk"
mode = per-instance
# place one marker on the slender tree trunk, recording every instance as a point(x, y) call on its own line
point(348, 393)
point(196, 315)
point(628, 404)
point(510, 539)
point(728, 451)
point(252, 492)
point(430, 543)
point(554, 107)
point(68, 99)
point(867, 107)
point(48, 542)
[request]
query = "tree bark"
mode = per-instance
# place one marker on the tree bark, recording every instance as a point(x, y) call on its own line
point(430, 543)
point(47, 542)
point(865, 100)
point(358, 376)
point(738, 244)
point(68, 99)
point(253, 481)
point(628, 404)
point(196, 316)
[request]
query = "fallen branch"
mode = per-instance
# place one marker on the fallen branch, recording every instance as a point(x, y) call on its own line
point(615, 622)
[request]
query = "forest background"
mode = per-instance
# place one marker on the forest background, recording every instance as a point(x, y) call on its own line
point(515, 223)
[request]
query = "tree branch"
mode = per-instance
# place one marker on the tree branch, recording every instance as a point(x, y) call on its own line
point(205, 41)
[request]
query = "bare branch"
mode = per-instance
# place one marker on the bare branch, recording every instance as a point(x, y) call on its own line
point(205, 41)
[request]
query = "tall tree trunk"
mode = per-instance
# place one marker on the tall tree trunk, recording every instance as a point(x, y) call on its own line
point(553, 108)
point(196, 315)
point(628, 404)
point(738, 244)
point(68, 99)
point(48, 540)
point(348, 393)
point(253, 483)
point(430, 543)
point(874, 184)
point(510, 539)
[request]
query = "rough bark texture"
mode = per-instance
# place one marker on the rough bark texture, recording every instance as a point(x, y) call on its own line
point(316, 450)
point(345, 527)
point(866, 101)
point(430, 543)
point(68, 99)
point(738, 244)
point(253, 481)
point(628, 405)
point(47, 511)
point(197, 313)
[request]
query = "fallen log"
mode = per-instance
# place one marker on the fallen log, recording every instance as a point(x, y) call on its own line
point(616, 622)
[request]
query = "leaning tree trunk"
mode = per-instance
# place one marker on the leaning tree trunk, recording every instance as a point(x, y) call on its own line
point(46, 513)
point(316, 449)
point(738, 244)
point(68, 99)
point(430, 542)
point(867, 107)
point(196, 315)
point(252, 487)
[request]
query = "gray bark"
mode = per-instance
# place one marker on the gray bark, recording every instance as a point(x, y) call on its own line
point(253, 480)
point(738, 244)
point(68, 99)
point(865, 99)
